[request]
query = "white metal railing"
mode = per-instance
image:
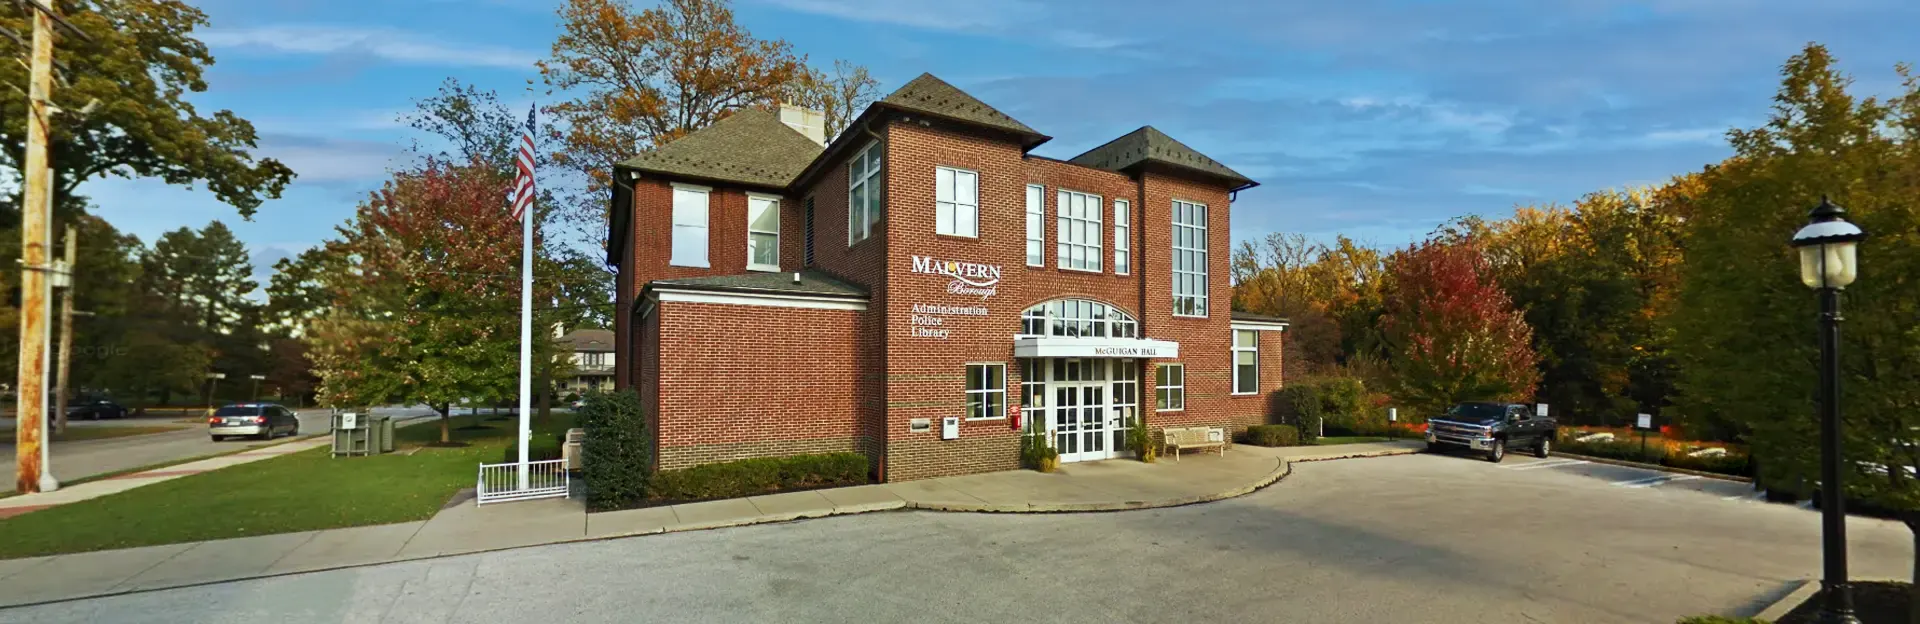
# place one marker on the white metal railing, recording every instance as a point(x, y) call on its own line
point(501, 482)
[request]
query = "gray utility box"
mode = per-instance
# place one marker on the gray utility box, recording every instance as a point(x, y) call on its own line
point(361, 433)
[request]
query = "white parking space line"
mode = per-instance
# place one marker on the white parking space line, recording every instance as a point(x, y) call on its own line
point(1653, 481)
point(1545, 463)
point(1746, 497)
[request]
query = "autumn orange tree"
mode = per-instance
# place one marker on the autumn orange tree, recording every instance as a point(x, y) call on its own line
point(638, 79)
point(425, 303)
point(1329, 293)
point(1452, 334)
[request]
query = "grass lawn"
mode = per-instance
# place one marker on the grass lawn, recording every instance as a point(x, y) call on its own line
point(1332, 440)
point(101, 433)
point(305, 491)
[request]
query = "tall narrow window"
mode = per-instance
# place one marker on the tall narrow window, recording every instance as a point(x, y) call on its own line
point(1122, 212)
point(956, 202)
point(807, 259)
point(986, 391)
point(1246, 361)
point(763, 232)
point(1080, 231)
point(1036, 225)
point(1189, 259)
point(1170, 387)
point(864, 193)
point(689, 226)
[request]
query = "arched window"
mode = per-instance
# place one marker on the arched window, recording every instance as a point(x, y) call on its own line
point(1077, 318)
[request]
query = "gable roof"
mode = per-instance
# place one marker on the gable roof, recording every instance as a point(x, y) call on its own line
point(933, 96)
point(750, 146)
point(1150, 145)
point(589, 340)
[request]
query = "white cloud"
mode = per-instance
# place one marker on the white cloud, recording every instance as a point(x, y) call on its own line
point(331, 160)
point(1690, 136)
point(392, 45)
point(1006, 18)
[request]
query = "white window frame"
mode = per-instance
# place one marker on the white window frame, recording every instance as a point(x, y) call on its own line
point(1036, 225)
point(955, 214)
point(1122, 231)
point(1254, 349)
point(1163, 394)
point(860, 220)
point(1196, 273)
point(774, 200)
point(674, 248)
point(987, 392)
point(1068, 220)
point(1077, 318)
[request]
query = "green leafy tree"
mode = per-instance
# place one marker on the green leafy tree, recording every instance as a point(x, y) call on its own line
point(1745, 327)
point(1453, 335)
point(142, 65)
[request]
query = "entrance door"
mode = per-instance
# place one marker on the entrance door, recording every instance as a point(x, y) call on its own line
point(1093, 422)
point(1066, 421)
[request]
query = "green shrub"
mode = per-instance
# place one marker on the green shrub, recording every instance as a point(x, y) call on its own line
point(1728, 464)
point(541, 447)
point(1273, 435)
point(1303, 402)
point(1035, 451)
point(762, 475)
point(616, 455)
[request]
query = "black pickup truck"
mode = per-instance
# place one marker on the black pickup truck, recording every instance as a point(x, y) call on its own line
point(1492, 428)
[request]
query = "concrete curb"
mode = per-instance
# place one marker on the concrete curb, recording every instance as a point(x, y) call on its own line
point(1786, 603)
point(1280, 472)
point(1658, 467)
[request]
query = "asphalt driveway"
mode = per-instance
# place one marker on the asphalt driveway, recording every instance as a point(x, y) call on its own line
point(1420, 538)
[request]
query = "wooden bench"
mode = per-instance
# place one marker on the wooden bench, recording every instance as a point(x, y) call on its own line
point(1180, 438)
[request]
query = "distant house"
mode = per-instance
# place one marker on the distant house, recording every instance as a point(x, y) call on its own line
point(592, 361)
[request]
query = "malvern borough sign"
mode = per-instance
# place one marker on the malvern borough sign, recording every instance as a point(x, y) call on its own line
point(969, 278)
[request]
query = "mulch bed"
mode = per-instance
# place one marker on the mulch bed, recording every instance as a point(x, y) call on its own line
point(1873, 603)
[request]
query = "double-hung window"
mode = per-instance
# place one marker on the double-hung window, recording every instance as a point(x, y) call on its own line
point(763, 232)
point(986, 391)
point(689, 226)
point(1170, 387)
point(956, 202)
point(1036, 225)
point(1189, 259)
point(1080, 231)
point(865, 190)
point(1122, 226)
point(1246, 361)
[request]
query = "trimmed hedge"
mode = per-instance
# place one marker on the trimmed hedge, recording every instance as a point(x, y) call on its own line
point(1629, 450)
point(616, 455)
point(748, 477)
point(1273, 435)
point(540, 447)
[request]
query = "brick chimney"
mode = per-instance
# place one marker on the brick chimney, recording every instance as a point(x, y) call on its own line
point(806, 121)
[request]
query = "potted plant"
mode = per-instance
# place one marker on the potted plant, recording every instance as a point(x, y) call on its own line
point(1037, 452)
point(1140, 439)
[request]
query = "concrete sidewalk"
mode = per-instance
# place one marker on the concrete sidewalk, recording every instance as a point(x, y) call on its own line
point(467, 528)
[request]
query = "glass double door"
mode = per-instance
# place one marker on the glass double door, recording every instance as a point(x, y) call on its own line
point(1090, 405)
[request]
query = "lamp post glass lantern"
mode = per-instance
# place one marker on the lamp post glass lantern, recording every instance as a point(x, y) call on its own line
point(1828, 263)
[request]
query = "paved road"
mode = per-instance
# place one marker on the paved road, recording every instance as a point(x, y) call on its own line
point(1419, 538)
point(84, 458)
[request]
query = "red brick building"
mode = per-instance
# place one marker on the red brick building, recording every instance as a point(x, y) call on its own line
point(922, 289)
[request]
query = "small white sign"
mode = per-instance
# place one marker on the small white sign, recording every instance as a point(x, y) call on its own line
point(349, 420)
point(1393, 414)
point(1540, 409)
point(1646, 421)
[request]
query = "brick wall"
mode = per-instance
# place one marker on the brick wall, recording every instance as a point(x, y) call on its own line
point(726, 232)
point(1205, 343)
point(740, 381)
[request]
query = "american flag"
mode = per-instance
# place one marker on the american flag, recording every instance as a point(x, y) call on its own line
point(522, 194)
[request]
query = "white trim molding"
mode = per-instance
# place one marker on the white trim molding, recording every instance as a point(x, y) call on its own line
point(1051, 347)
point(692, 187)
point(1258, 325)
point(772, 300)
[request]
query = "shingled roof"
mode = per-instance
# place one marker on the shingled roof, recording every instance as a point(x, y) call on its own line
point(750, 146)
point(933, 96)
point(808, 283)
point(1150, 145)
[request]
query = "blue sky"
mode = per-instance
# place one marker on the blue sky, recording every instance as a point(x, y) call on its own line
point(1378, 119)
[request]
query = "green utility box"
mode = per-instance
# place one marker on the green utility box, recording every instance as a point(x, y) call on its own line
point(361, 433)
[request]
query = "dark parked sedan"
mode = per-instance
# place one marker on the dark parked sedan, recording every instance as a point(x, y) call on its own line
point(95, 410)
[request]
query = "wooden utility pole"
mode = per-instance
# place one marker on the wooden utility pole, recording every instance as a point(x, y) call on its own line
point(31, 420)
point(61, 390)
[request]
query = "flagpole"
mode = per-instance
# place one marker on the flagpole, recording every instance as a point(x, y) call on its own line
point(526, 338)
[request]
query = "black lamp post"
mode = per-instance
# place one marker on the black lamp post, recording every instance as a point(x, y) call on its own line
point(1828, 263)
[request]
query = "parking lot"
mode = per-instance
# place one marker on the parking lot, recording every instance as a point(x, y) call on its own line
point(1418, 538)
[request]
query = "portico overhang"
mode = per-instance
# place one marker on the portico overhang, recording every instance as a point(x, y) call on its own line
point(1057, 347)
